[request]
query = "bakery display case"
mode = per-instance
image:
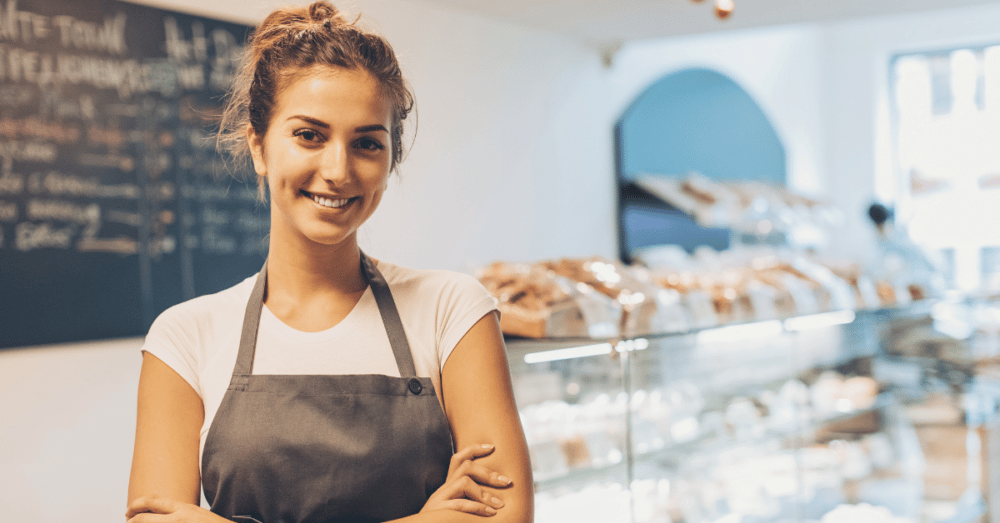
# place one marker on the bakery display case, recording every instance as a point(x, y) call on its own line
point(774, 420)
point(756, 384)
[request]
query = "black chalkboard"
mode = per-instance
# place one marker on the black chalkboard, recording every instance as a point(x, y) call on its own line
point(113, 202)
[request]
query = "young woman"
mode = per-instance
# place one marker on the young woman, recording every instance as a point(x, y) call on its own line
point(330, 387)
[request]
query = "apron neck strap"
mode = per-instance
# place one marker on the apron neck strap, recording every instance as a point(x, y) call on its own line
point(390, 317)
point(386, 306)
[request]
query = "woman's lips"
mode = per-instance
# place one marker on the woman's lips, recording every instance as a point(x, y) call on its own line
point(329, 203)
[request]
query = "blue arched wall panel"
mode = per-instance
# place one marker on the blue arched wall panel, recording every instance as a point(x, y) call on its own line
point(700, 120)
point(694, 120)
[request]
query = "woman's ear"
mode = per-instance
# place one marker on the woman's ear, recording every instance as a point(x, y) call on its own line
point(256, 143)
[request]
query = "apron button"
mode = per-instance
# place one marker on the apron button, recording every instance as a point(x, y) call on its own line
point(415, 386)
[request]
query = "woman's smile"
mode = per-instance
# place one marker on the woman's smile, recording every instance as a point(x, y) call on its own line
point(330, 202)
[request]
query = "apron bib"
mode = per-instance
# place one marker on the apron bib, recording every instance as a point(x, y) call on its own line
point(325, 448)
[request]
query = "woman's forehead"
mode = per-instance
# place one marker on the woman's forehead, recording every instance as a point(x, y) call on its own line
point(334, 91)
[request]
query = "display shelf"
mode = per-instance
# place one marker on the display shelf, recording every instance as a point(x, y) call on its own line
point(681, 403)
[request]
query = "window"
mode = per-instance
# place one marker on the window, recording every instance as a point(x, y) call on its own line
point(946, 126)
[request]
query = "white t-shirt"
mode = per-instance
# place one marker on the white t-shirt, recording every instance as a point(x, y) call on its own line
point(199, 339)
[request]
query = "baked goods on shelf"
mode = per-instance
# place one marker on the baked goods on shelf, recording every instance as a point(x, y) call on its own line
point(532, 303)
point(676, 292)
point(580, 298)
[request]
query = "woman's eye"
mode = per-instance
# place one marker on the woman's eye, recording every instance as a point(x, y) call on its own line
point(308, 135)
point(369, 144)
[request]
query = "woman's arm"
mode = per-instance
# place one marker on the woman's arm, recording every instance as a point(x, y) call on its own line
point(479, 402)
point(167, 436)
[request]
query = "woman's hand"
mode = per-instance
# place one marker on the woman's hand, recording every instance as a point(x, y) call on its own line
point(154, 509)
point(463, 489)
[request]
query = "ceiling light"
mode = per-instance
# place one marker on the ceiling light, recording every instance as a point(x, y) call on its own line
point(724, 8)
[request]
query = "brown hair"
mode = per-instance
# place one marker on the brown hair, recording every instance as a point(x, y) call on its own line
point(293, 39)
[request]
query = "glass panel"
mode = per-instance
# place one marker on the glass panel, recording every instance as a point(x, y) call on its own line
point(572, 401)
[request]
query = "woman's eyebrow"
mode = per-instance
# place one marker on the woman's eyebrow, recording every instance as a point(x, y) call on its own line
point(324, 125)
point(317, 123)
point(370, 128)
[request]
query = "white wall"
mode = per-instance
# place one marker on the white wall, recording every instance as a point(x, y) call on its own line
point(67, 423)
point(510, 162)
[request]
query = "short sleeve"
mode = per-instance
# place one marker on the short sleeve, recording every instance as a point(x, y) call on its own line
point(172, 338)
point(463, 302)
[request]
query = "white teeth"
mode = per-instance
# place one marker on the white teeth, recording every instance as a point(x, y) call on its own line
point(326, 202)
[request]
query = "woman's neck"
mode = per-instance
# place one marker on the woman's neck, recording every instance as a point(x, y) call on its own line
point(304, 271)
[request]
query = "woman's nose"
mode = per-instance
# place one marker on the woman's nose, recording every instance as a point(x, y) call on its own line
point(335, 164)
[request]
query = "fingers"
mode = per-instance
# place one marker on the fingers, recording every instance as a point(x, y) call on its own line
point(146, 517)
point(465, 495)
point(482, 475)
point(153, 504)
point(469, 507)
point(470, 490)
point(469, 453)
point(463, 464)
point(464, 490)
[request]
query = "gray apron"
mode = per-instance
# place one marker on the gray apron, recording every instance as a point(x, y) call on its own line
point(325, 448)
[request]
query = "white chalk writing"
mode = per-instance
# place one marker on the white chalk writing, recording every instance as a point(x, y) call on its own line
point(52, 104)
point(61, 184)
point(33, 127)
point(120, 245)
point(126, 76)
point(8, 212)
point(210, 193)
point(128, 218)
point(28, 151)
point(222, 46)
point(89, 36)
point(63, 211)
point(22, 25)
point(10, 182)
point(110, 161)
point(179, 49)
point(29, 236)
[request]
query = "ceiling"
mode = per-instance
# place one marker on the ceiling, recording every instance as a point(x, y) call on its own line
point(608, 23)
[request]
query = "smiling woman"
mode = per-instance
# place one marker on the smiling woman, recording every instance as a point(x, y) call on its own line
point(330, 387)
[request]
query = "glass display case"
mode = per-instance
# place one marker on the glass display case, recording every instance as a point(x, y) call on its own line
point(776, 420)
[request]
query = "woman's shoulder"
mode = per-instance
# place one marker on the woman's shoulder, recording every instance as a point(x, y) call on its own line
point(193, 317)
point(430, 282)
point(439, 306)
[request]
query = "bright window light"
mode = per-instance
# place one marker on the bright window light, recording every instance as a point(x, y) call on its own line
point(947, 127)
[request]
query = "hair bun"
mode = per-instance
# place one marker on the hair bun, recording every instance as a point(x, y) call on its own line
point(325, 13)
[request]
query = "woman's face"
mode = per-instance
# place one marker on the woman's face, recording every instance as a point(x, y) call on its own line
point(326, 155)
